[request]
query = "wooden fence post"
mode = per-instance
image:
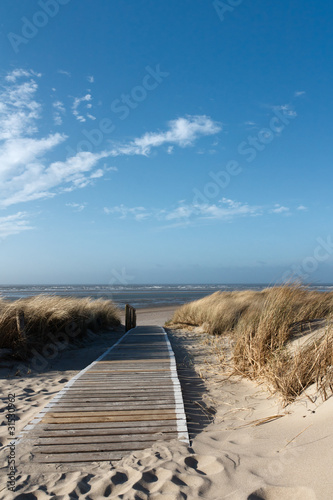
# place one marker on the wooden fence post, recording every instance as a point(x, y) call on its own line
point(20, 325)
point(130, 317)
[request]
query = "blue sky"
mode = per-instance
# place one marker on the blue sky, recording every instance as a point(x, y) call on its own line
point(165, 142)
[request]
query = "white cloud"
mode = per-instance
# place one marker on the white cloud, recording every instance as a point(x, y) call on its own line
point(26, 172)
point(19, 73)
point(191, 213)
point(138, 213)
point(57, 119)
point(182, 132)
point(60, 110)
point(299, 93)
point(90, 79)
point(278, 209)
point(110, 169)
point(301, 207)
point(225, 209)
point(63, 72)
point(77, 102)
point(78, 207)
point(59, 106)
point(97, 174)
point(92, 117)
point(14, 224)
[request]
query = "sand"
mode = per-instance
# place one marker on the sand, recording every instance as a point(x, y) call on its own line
point(244, 443)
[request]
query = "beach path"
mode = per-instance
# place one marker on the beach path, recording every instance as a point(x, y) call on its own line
point(126, 400)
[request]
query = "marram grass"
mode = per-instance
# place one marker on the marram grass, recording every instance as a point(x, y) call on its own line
point(46, 316)
point(262, 325)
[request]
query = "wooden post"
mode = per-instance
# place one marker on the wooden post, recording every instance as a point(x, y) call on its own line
point(20, 325)
point(130, 317)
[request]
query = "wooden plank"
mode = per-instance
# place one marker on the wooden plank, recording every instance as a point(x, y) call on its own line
point(113, 431)
point(108, 413)
point(127, 361)
point(133, 370)
point(102, 408)
point(103, 425)
point(102, 438)
point(63, 458)
point(119, 418)
point(99, 447)
point(131, 397)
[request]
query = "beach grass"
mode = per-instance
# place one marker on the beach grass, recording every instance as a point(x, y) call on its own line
point(33, 322)
point(263, 328)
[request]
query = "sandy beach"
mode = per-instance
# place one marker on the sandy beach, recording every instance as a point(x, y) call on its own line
point(244, 443)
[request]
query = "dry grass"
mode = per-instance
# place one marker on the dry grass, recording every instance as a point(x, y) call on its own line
point(262, 325)
point(46, 317)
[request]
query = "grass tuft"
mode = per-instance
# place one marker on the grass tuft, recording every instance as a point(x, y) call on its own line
point(35, 321)
point(263, 327)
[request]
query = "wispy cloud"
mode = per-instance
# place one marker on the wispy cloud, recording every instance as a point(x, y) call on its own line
point(59, 111)
point(301, 207)
point(78, 207)
point(182, 132)
point(279, 209)
point(26, 172)
point(14, 224)
point(299, 93)
point(138, 213)
point(90, 79)
point(76, 104)
point(225, 209)
point(190, 213)
point(20, 73)
point(63, 72)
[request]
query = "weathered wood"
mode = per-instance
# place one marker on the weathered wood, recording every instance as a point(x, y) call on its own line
point(103, 438)
point(69, 458)
point(21, 325)
point(116, 418)
point(105, 398)
point(103, 425)
point(109, 413)
point(114, 433)
point(99, 447)
point(120, 404)
point(130, 317)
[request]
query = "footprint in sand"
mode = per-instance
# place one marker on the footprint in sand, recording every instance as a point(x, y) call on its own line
point(122, 482)
point(204, 464)
point(154, 479)
point(62, 380)
point(281, 493)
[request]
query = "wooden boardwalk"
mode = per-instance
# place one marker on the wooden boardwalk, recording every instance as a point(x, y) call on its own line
point(124, 401)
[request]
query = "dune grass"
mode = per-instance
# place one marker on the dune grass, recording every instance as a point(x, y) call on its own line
point(33, 322)
point(262, 325)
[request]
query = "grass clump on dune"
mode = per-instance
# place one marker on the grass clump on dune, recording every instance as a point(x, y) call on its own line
point(32, 323)
point(263, 325)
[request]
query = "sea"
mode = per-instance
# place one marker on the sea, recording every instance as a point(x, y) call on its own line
point(139, 296)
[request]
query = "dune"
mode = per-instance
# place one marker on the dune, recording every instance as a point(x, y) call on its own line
point(245, 443)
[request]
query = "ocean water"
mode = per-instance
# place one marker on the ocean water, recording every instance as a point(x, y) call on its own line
point(139, 296)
